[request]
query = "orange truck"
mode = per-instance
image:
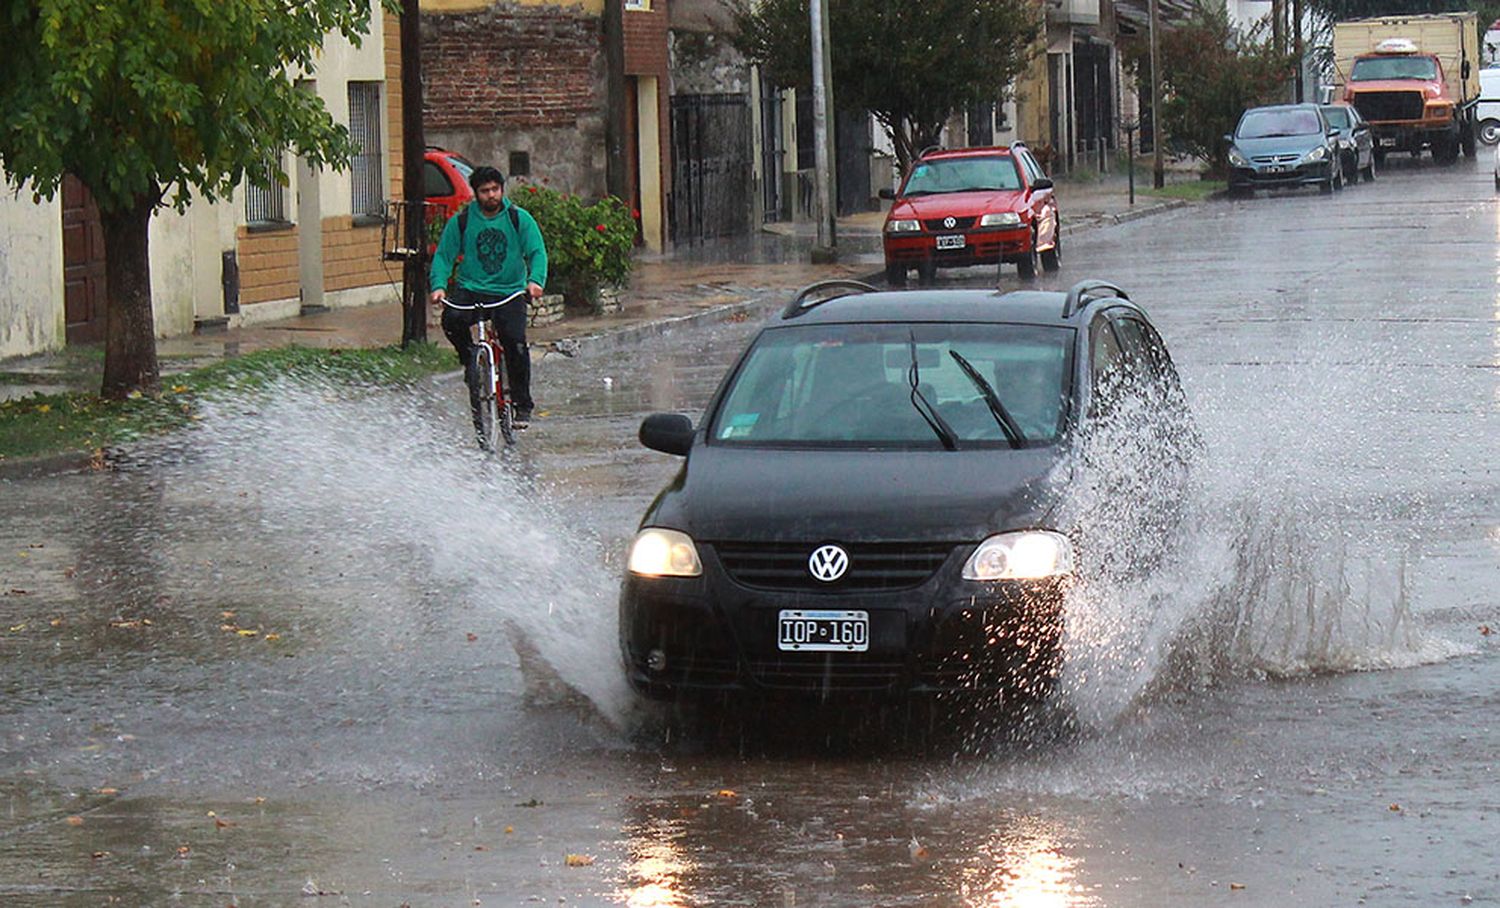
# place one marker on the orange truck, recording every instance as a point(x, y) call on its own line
point(1414, 78)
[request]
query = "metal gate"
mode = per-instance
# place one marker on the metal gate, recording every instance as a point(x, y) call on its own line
point(711, 167)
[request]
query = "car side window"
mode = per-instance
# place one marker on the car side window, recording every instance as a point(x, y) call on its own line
point(1143, 355)
point(1029, 166)
point(434, 181)
point(1107, 367)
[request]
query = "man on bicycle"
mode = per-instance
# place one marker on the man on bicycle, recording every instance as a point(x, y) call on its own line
point(498, 251)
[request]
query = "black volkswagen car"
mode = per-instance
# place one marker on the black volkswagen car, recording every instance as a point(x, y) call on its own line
point(1284, 145)
point(875, 501)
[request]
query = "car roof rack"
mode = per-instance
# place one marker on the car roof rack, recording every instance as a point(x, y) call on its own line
point(809, 297)
point(1083, 291)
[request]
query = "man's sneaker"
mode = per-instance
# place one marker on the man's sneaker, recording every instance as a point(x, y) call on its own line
point(522, 419)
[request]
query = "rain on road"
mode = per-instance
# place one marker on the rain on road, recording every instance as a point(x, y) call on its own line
point(271, 662)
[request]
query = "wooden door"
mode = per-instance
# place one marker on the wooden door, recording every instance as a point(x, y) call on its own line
point(85, 293)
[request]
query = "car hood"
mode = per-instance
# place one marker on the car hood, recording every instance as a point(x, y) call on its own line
point(1278, 145)
point(1428, 87)
point(780, 495)
point(959, 204)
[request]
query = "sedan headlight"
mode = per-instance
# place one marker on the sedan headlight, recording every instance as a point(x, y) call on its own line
point(658, 552)
point(1001, 219)
point(1236, 159)
point(903, 226)
point(1317, 154)
point(1024, 555)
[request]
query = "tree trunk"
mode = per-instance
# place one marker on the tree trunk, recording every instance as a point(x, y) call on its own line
point(129, 329)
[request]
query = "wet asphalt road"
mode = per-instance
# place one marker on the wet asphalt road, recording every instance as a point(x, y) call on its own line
point(272, 663)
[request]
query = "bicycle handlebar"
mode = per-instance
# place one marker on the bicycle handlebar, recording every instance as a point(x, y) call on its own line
point(495, 304)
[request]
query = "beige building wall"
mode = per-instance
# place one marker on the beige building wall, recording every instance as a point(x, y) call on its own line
point(31, 273)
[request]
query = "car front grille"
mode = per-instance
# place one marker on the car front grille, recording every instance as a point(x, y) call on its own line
point(847, 671)
point(940, 223)
point(1275, 158)
point(1389, 105)
point(872, 566)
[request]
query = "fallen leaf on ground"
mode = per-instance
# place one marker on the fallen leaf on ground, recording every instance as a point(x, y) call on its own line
point(1394, 808)
point(100, 855)
point(471, 637)
point(184, 850)
point(509, 830)
point(222, 824)
point(108, 791)
point(1236, 886)
point(727, 793)
point(579, 860)
point(246, 632)
point(74, 821)
point(271, 637)
point(917, 850)
point(1484, 630)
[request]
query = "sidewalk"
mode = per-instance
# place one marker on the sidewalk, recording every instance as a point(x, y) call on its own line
point(707, 282)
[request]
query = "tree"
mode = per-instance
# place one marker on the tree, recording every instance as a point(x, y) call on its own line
point(154, 103)
point(1211, 72)
point(911, 65)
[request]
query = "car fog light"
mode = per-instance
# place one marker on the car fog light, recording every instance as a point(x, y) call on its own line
point(1024, 555)
point(658, 552)
point(656, 660)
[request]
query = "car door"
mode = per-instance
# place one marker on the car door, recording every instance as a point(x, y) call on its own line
point(1364, 139)
point(1040, 199)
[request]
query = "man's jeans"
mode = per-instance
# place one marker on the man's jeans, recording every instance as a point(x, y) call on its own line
point(509, 322)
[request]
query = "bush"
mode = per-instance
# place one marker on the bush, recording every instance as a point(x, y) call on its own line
point(588, 245)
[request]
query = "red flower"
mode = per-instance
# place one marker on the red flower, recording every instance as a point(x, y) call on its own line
point(531, 189)
point(600, 227)
point(635, 213)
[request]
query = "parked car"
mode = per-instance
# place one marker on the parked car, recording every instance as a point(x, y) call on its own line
point(1284, 145)
point(972, 206)
point(1356, 141)
point(876, 501)
point(445, 180)
point(1487, 111)
point(1497, 168)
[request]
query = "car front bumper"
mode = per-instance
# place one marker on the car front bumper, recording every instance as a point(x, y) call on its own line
point(1262, 177)
point(709, 633)
point(981, 247)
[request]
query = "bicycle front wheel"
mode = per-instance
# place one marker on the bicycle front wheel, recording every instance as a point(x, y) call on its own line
point(481, 382)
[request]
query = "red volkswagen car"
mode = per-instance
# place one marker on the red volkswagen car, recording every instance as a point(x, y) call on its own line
point(972, 206)
point(445, 179)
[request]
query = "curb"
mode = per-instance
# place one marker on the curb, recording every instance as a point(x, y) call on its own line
point(1125, 217)
point(50, 465)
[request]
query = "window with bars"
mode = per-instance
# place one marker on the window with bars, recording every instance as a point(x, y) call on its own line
point(265, 205)
point(364, 128)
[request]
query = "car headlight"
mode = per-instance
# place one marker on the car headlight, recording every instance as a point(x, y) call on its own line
point(1236, 159)
point(1023, 555)
point(657, 552)
point(1001, 219)
point(903, 226)
point(1317, 154)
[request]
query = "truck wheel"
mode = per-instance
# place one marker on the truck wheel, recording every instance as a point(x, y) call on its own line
point(1466, 142)
point(1489, 131)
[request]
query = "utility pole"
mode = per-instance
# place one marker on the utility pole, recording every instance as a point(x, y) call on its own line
point(414, 197)
point(827, 247)
point(1158, 162)
point(615, 178)
point(1297, 46)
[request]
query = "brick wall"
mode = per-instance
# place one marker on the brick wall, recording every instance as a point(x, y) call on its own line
point(351, 256)
point(646, 42)
point(268, 265)
point(511, 66)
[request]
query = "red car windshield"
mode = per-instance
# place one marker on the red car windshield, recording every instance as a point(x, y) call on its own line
point(942, 175)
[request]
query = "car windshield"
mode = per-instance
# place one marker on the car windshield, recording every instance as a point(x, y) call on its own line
point(963, 175)
point(1373, 69)
point(1262, 124)
point(461, 165)
point(1338, 117)
point(850, 385)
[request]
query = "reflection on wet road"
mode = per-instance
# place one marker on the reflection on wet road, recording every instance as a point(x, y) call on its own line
point(319, 647)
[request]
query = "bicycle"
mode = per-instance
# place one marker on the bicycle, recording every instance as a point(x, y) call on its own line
point(489, 386)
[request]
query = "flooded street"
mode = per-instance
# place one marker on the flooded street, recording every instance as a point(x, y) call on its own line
point(318, 652)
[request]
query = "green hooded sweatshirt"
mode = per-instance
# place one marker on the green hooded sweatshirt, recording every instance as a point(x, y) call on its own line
point(497, 258)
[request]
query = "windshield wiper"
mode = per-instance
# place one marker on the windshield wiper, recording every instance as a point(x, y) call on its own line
point(1012, 431)
point(924, 407)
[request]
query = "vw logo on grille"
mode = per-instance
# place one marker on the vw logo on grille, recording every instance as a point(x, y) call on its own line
point(828, 563)
point(950, 223)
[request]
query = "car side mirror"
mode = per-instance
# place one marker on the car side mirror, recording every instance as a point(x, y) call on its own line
point(1042, 183)
point(669, 433)
point(886, 194)
point(1228, 139)
point(1333, 132)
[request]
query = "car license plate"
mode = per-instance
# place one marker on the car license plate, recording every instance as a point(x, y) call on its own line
point(823, 631)
point(955, 241)
point(1388, 142)
point(1275, 168)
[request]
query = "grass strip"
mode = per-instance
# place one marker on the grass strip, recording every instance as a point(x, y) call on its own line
point(73, 422)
